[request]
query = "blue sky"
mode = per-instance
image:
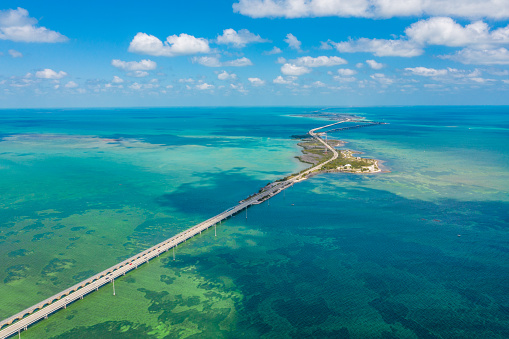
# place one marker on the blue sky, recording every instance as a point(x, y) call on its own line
point(254, 52)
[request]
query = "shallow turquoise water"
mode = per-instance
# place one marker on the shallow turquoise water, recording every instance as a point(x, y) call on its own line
point(420, 252)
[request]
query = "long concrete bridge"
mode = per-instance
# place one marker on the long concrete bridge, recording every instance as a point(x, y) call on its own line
point(372, 123)
point(19, 322)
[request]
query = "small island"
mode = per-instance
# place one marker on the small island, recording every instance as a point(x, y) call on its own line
point(315, 153)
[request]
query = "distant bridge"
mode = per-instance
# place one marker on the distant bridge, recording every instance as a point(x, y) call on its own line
point(20, 322)
point(374, 123)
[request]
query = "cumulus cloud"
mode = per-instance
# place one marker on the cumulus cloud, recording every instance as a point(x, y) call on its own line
point(371, 8)
point(117, 80)
point(143, 65)
point(446, 32)
point(382, 79)
point(294, 70)
point(71, 84)
point(16, 25)
point(374, 65)
point(496, 56)
point(256, 81)
point(325, 45)
point(213, 61)
point(208, 61)
point(204, 86)
point(226, 76)
point(380, 47)
point(284, 81)
point(50, 74)
point(275, 50)
point(320, 61)
point(15, 54)
point(138, 74)
point(241, 62)
point(238, 39)
point(174, 45)
point(293, 42)
point(441, 31)
point(345, 75)
point(346, 72)
point(426, 72)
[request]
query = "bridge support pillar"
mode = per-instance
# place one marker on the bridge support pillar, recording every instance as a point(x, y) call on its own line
point(173, 253)
point(81, 297)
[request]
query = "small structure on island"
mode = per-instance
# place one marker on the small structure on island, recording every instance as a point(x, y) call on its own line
point(368, 168)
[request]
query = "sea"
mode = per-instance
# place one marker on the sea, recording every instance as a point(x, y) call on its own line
point(418, 251)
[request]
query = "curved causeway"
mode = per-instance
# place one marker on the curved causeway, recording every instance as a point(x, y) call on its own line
point(20, 322)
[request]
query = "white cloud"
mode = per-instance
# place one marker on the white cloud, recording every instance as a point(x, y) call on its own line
point(345, 75)
point(136, 86)
point(374, 65)
point(293, 42)
point(238, 39)
point(226, 76)
point(320, 61)
point(117, 80)
point(239, 88)
point(174, 45)
point(50, 74)
point(372, 8)
point(446, 32)
point(300, 8)
point(497, 56)
point(138, 74)
point(143, 65)
point(346, 72)
point(186, 81)
point(359, 65)
point(291, 69)
point(71, 84)
point(382, 79)
point(426, 72)
point(208, 61)
point(238, 62)
point(325, 45)
point(212, 61)
point(16, 25)
point(344, 78)
point(256, 81)
point(281, 60)
point(275, 50)
point(204, 86)
point(380, 47)
point(318, 84)
point(282, 81)
point(15, 54)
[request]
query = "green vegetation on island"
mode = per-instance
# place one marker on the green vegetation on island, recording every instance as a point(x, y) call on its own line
point(314, 153)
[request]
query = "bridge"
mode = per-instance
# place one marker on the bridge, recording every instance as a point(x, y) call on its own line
point(372, 123)
point(20, 321)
